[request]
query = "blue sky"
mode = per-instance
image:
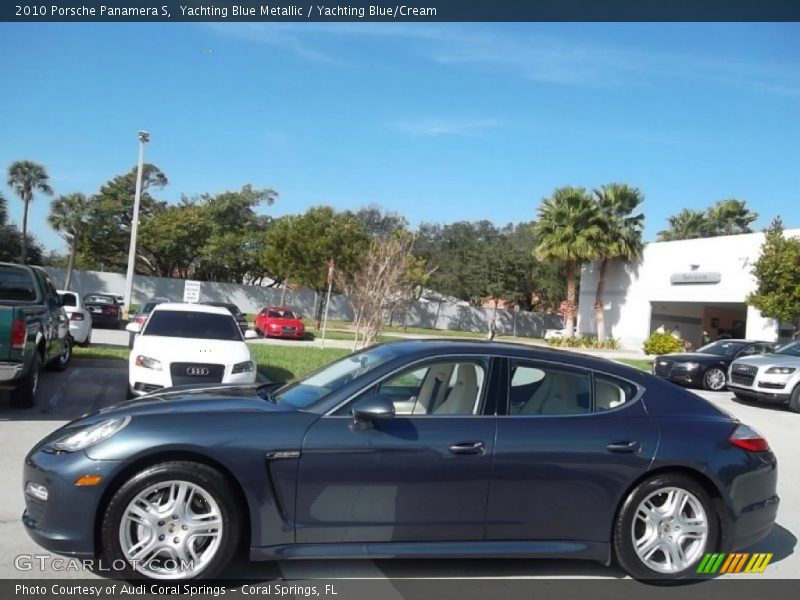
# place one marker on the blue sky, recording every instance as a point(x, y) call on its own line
point(440, 122)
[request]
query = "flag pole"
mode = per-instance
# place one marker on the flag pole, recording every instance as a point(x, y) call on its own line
point(327, 301)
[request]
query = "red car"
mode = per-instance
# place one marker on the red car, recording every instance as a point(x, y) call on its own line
point(279, 321)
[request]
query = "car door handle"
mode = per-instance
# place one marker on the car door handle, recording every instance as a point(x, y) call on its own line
point(468, 448)
point(621, 447)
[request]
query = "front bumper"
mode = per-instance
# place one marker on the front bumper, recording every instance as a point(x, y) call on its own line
point(756, 394)
point(65, 522)
point(146, 381)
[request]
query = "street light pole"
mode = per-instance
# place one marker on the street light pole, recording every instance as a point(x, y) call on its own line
point(144, 137)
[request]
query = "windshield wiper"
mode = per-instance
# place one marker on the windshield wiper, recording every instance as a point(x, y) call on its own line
point(267, 392)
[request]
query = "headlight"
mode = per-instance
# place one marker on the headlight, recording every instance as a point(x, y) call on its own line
point(243, 367)
point(91, 435)
point(689, 366)
point(148, 363)
point(780, 370)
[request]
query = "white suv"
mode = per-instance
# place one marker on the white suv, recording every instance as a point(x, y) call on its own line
point(774, 376)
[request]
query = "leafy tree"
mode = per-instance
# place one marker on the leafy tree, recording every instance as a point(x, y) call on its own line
point(622, 237)
point(378, 222)
point(235, 234)
point(298, 248)
point(569, 229)
point(108, 226)
point(68, 215)
point(777, 273)
point(27, 177)
point(11, 239)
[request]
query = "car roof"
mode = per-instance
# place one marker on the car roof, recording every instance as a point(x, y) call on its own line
point(196, 308)
point(278, 308)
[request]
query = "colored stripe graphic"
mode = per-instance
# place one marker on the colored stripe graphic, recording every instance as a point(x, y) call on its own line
point(734, 563)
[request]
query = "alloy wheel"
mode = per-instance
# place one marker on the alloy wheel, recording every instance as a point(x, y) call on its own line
point(669, 530)
point(171, 530)
point(715, 379)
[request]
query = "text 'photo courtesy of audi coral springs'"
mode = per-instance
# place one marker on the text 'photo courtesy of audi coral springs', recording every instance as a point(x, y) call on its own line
point(424, 448)
point(188, 344)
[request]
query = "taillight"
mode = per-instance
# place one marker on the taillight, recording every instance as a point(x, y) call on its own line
point(747, 438)
point(19, 334)
point(76, 317)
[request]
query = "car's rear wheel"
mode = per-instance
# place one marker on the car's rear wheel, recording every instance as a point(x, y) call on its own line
point(715, 379)
point(173, 520)
point(665, 527)
point(24, 395)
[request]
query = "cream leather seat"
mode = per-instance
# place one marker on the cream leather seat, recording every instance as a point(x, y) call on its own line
point(464, 395)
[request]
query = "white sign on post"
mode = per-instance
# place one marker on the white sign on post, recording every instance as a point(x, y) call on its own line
point(191, 291)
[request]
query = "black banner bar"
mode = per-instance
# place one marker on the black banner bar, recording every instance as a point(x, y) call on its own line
point(401, 10)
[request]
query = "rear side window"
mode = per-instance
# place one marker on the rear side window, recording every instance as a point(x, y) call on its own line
point(543, 389)
point(16, 285)
point(68, 299)
point(610, 392)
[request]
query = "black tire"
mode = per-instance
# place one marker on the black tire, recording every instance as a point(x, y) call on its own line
point(710, 376)
point(62, 361)
point(129, 395)
point(624, 549)
point(207, 478)
point(24, 395)
point(794, 399)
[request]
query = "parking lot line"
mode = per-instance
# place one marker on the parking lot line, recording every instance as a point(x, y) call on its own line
point(59, 393)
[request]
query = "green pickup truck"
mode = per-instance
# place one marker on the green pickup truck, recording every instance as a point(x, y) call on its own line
point(34, 331)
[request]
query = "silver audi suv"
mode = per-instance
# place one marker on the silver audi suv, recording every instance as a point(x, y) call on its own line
point(772, 377)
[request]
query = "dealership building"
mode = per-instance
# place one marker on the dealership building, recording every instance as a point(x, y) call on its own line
point(695, 285)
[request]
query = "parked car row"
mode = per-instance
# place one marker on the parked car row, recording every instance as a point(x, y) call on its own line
point(751, 369)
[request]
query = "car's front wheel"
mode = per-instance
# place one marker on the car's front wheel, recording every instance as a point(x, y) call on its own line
point(794, 399)
point(173, 520)
point(715, 379)
point(665, 527)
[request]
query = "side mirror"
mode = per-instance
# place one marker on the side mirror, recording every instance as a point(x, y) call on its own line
point(133, 327)
point(250, 335)
point(371, 410)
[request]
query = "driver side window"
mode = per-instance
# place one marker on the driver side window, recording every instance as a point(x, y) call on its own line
point(439, 388)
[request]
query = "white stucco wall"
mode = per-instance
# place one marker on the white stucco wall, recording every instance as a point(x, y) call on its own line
point(630, 289)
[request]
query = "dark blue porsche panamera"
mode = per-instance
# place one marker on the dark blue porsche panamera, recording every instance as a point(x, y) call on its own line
point(409, 449)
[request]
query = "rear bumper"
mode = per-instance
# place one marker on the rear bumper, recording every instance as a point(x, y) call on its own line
point(10, 372)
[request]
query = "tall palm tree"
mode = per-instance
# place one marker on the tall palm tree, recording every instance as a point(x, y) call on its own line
point(730, 217)
point(27, 177)
point(568, 229)
point(686, 225)
point(622, 233)
point(3, 210)
point(68, 216)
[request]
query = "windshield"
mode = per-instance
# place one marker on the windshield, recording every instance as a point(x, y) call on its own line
point(790, 349)
point(722, 348)
point(281, 314)
point(306, 392)
point(184, 324)
point(98, 299)
point(232, 308)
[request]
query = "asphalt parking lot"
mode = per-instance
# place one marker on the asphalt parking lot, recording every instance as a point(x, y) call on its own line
point(91, 384)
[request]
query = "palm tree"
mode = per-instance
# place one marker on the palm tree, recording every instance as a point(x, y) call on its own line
point(27, 177)
point(730, 217)
point(622, 233)
point(568, 229)
point(686, 225)
point(3, 210)
point(68, 215)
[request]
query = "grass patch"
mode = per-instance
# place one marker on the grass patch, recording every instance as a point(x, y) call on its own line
point(284, 363)
point(640, 363)
point(101, 352)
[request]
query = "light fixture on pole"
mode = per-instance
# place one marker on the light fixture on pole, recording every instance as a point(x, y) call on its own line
point(144, 137)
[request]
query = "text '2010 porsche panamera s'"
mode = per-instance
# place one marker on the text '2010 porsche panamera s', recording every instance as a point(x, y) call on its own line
point(417, 448)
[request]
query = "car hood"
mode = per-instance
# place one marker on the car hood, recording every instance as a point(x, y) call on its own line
point(170, 350)
point(770, 359)
point(692, 357)
point(188, 399)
